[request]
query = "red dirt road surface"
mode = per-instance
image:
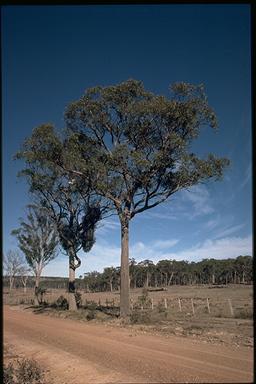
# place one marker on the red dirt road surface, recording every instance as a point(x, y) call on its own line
point(80, 353)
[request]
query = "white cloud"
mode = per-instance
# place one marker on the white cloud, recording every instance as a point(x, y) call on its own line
point(216, 249)
point(213, 223)
point(107, 225)
point(199, 198)
point(104, 255)
point(248, 176)
point(163, 244)
point(226, 231)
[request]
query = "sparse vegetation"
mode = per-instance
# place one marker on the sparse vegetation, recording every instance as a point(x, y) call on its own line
point(24, 371)
point(61, 303)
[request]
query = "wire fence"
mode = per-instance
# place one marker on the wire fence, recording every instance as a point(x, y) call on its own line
point(194, 306)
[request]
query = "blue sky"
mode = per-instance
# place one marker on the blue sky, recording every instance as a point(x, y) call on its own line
point(51, 54)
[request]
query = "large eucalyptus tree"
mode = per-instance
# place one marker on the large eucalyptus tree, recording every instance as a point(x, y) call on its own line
point(141, 152)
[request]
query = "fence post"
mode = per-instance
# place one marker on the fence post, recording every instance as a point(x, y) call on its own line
point(230, 307)
point(132, 304)
point(208, 305)
point(192, 304)
point(180, 304)
point(165, 303)
point(152, 304)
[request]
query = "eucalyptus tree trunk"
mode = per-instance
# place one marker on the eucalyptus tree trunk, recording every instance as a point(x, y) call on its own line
point(124, 289)
point(170, 279)
point(72, 306)
point(37, 280)
point(11, 281)
point(147, 280)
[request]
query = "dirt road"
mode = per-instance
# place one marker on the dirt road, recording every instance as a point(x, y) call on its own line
point(81, 353)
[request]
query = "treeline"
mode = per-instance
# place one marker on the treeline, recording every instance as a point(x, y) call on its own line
point(162, 274)
point(172, 272)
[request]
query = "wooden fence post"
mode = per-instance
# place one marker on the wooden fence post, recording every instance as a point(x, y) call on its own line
point(132, 304)
point(152, 304)
point(192, 304)
point(180, 304)
point(165, 303)
point(208, 305)
point(230, 307)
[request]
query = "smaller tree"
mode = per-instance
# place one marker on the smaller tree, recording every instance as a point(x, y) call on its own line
point(13, 264)
point(38, 240)
point(24, 275)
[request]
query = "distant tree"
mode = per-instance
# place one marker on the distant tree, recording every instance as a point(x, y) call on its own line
point(109, 274)
point(13, 265)
point(148, 269)
point(38, 240)
point(24, 275)
point(243, 267)
point(165, 268)
point(133, 272)
point(141, 150)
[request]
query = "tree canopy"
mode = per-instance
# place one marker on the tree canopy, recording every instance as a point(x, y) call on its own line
point(129, 148)
point(141, 142)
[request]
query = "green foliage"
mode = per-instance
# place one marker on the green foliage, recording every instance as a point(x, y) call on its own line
point(138, 317)
point(141, 142)
point(61, 303)
point(27, 371)
point(169, 272)
point(65, 197)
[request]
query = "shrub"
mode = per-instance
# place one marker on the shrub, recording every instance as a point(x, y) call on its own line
point(91, 306)
point(140, 317)
point(244, 313)
point(8, 374)
point(144, 298)
point(160, 307)
point(27, 371)
point(78, 298)
point(90, 315)
point(61, 303)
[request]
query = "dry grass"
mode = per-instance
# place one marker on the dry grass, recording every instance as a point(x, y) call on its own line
point(240, 297)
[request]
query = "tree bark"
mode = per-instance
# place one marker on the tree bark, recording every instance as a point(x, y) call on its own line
point(11, 280)
point(72, 306)
point(124, 288)
point(166, 277)
point(147, 279)
point(37, 280)
point(170, 279)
